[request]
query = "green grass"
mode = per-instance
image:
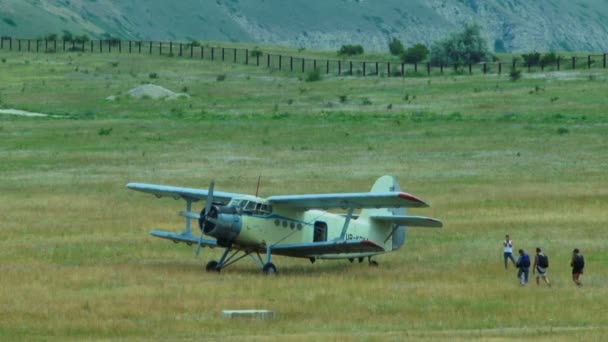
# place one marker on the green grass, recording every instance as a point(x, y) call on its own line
point(489, 154)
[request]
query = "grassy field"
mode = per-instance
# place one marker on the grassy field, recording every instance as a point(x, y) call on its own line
point(492, 156)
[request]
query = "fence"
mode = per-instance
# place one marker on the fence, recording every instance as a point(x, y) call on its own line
point(291, 63)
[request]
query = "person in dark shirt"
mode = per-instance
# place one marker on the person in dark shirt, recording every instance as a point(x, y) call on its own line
point(541, 264)
point(578, 264)
point(523, 267)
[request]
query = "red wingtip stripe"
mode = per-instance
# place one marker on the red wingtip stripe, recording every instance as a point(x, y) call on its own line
point(411, 198)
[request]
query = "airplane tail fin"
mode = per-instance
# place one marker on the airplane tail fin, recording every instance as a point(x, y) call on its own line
point(383, 184)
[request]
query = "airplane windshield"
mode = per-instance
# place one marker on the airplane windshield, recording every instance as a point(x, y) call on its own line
point(255, 208)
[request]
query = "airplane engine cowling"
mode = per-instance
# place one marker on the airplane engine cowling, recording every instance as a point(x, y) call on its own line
point(223, 223)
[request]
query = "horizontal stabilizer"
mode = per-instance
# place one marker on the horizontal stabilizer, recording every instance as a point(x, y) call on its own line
point(409, 221)
point(313, 249)
point(183, 237)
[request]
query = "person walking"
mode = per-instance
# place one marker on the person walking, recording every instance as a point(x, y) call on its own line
point(541, 264)
point(523, 266)
point(578, 264)
point(508, 250)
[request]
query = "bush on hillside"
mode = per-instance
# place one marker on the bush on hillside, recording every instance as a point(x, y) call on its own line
point(461, 48)
point(415, 54)
point(350, 50)
point(395, 47)
point(314, 75)
point(548, 59)
point(531, 59)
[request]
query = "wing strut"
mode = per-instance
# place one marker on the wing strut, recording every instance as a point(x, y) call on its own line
point(346, 222)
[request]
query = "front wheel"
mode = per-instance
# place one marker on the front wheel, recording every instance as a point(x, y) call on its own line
point(269, 268)
point(212, 266)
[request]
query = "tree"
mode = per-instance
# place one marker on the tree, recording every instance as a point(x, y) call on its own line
point(415, 54)
point(396, 47)
point(548, 59)
point(350, 50)
point(461, 48)
point(67, 36)
point(531, 59)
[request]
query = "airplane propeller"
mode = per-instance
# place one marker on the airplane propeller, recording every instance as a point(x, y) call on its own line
point(204, 215)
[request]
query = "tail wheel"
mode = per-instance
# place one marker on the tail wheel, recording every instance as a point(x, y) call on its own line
point(212, 266)
point(269, 268)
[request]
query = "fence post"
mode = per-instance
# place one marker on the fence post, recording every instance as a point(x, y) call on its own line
point(363, 69)
point(339, 67)
point(403, 69)
point(314, 64)
point(223, 54)
point(327, 67)
point(428, 68)
point(10, 43)
point(191, 50)
point(19, 44)
point(470, 69)
point(268, 61)
point(350, 68)
point(280, 62)
point(63, 44)
point(139, 47)
point(170, 48)
point(257, 59)
point(291, 63)
point(557, 62)
point(377, 71)
point(573, 62)
point(1, 43)
point(415, 67)
point(212, 53)
point(120, 46)
point(388, 69)
point(513, 66)
point(46, 44)
point(234, 57)
point(160, 48)
point(499, 68)
point(441, 68)
point(73, 45)
point(529, 66)
point(91, 43)
point(303, 64)
point(202, 52)
point(130, 46)
point(246, 56)
point(37, 45)
point(604, 64)
point(589, 62)
point(181, 49)
point(485, 68)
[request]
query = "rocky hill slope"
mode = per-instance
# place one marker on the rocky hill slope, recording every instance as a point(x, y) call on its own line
point(509, 25)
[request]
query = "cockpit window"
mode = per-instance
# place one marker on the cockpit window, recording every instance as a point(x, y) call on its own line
point(255, 208)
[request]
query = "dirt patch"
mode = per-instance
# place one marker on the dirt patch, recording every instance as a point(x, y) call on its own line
point(19, 112)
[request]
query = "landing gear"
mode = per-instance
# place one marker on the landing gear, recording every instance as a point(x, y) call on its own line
point(269, 268)
point(212, 266)
point(372, 263)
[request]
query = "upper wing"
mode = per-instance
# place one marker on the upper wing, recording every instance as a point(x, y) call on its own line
point(410, 221)
point(349, 200)
point(181, 193)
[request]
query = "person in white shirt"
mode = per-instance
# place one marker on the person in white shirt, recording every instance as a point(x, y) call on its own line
point(508, 250)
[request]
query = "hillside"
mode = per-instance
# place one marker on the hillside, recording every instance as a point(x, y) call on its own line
point(510, 25)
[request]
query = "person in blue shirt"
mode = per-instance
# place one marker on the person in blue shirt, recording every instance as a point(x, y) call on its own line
point(523, 267)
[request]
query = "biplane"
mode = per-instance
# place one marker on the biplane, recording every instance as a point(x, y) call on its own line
point(294, 225)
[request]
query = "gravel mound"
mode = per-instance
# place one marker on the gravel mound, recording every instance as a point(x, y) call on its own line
point(154, 92)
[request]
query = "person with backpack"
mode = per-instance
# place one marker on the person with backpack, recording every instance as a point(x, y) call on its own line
point(578, 264)
point(541, 264)
point(523, 266)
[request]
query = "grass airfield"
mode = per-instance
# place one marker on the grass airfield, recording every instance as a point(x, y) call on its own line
point(490, 155)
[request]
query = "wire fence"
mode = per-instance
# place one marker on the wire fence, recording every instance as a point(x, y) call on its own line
point(295, 64)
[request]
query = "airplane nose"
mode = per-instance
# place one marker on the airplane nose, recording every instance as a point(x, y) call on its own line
point(222, 223)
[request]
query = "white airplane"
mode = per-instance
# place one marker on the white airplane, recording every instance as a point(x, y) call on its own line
point(295, 225)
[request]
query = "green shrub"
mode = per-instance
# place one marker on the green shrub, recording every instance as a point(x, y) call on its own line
point(314, 75)
point(395, 47)
point(220, 77)
point(531, 59)
point(515, 74)
point(415, 54)
point(461, 48)
point(350, 50)
point(548, 59)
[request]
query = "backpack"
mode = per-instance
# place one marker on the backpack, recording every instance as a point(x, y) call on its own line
point(543, 261)
point(579, 262)
point(525, 260)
